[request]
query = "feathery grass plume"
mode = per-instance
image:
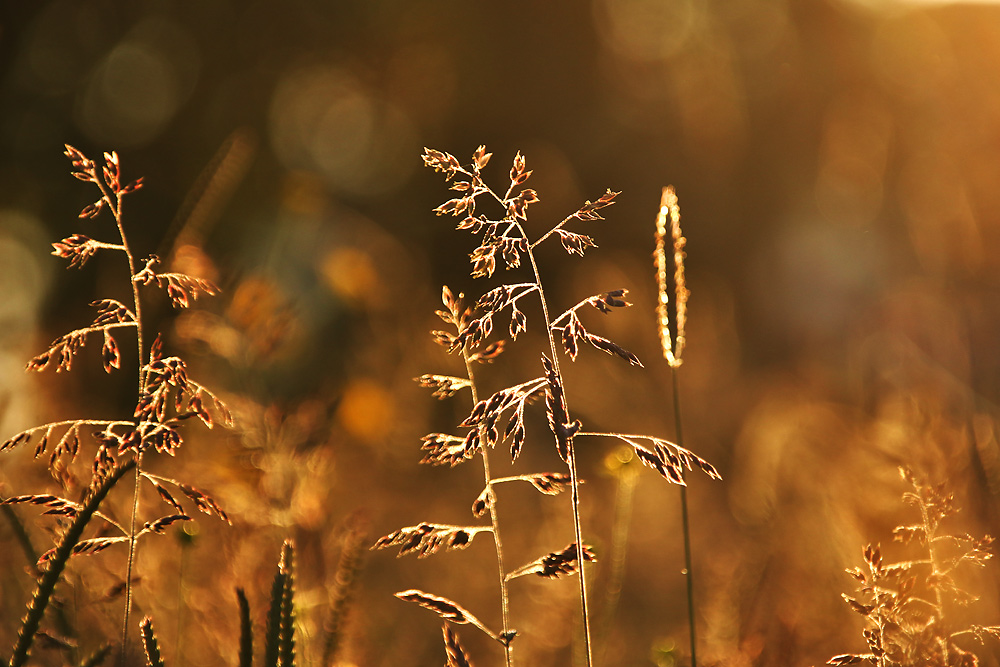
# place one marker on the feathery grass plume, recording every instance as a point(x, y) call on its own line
point(166, 397)
point(345, 582)
point(499, 419)
point(904, 603)
point(669, 209)
point(149, 643)
point(246, 630)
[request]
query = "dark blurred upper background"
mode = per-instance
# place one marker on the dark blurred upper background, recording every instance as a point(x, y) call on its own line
point(838, 168)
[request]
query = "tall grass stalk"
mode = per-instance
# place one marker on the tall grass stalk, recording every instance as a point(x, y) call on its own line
point(672, 346)
point(166, 397)
point(494, 522)
point(686, 530)
point(507, 241)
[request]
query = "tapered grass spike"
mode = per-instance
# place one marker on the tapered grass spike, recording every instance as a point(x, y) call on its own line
point(149, 643)
point(279, 641)
point(246, 630)
point(273, 631)
point(286, 636)
point(54, 568)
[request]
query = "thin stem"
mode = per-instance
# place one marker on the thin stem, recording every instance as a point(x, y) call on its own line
point(685, 524)
point(930, 532)
point(114, 202)
point(131, 555)
point(571, 451)
point(495, 521)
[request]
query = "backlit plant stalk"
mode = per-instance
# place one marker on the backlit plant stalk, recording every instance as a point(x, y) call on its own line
point(165, 398)
point(673, 349)
point(507, 240)
point(112, 197)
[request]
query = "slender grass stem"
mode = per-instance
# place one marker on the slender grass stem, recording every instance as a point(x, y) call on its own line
point(495, 522)
point(574, 477)
point(114, 202)
point(686, 527)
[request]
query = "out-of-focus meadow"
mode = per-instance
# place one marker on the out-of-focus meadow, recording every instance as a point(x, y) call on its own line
point(838, 168)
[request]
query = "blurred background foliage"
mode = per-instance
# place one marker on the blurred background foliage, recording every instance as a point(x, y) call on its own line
point(837, 164)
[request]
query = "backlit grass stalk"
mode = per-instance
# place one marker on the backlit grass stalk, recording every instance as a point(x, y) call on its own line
point(507, 242)
point(673, 349)
point(494, 521)
point(112, 196)
point(567, 438)
point(166, 397)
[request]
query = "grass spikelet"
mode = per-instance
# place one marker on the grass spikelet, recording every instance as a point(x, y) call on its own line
point(456, 655)
point(429, 538)
point(556, 564)
point(448, 610)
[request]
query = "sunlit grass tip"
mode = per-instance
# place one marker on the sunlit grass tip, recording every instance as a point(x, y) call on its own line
point(673, 346)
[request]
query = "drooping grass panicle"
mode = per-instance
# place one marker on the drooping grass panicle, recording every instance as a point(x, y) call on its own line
point(447, 449)
point(671, 344)
point(429, 538)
